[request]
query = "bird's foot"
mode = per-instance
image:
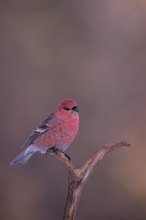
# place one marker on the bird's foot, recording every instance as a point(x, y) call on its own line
point(55, 151)
point(67, 156)
point(52, 150)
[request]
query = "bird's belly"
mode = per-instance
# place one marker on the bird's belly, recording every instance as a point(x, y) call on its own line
point(60, 138)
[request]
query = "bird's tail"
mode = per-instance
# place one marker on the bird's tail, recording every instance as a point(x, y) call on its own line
point(23, 157)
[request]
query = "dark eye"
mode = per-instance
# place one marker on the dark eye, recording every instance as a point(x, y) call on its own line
point(75, 108)
point(66, 108)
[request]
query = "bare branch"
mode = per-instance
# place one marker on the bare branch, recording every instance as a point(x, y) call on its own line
point(78, 177)
point(99, 154)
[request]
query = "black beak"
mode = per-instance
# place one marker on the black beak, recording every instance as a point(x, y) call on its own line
point(75, 108)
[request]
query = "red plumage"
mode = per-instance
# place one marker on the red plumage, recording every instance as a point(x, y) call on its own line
point(57, 131)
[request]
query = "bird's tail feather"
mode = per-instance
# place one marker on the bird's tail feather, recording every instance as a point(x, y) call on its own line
point(23, 157)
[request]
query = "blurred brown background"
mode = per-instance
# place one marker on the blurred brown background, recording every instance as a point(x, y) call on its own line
point(95, 52)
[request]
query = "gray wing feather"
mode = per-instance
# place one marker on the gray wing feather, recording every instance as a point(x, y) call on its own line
point(41, 129)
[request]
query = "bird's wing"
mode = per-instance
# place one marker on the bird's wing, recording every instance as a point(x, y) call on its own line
point(41, 129)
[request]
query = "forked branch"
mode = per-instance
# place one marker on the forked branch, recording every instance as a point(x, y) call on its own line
point(78, 177)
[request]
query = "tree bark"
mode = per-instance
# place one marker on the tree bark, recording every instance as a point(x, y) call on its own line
point(78, 177)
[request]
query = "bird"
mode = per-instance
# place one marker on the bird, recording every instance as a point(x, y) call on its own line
point(55, 133)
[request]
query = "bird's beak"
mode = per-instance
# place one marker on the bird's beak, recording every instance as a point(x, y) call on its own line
point(76, 109)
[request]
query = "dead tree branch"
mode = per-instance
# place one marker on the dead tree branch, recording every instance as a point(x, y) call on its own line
point(78, 177)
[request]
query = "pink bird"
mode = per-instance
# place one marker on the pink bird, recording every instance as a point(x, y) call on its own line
point(56, 132)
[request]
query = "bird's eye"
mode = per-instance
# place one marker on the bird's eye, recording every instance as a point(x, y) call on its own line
point(66, 108)
point(75, 108)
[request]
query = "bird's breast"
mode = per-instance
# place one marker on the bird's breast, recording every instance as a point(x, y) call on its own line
point(61, 134)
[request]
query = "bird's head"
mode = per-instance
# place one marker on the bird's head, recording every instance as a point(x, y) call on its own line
point(67, 107)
